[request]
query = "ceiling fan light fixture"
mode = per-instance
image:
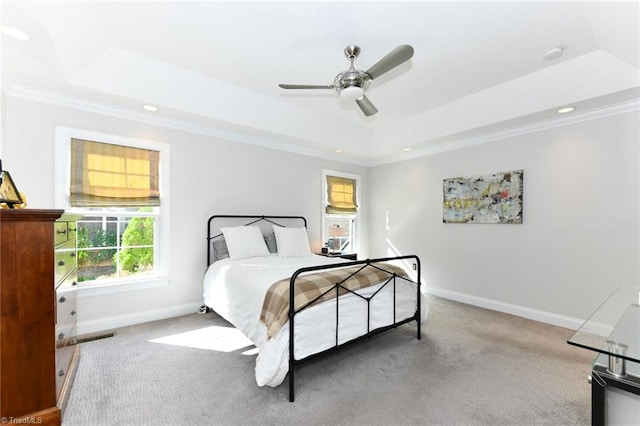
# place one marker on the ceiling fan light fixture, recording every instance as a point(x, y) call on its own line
point(352, 93)
point(352, 83)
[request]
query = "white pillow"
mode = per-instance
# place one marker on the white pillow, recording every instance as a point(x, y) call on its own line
point(292, 242)
point(244, 242)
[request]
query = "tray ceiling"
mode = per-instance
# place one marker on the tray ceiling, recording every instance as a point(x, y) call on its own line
point(215, 66)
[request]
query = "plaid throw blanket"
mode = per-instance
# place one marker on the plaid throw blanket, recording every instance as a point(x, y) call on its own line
point(275, 310)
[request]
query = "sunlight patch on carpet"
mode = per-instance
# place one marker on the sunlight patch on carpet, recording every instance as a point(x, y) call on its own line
point(214, 338)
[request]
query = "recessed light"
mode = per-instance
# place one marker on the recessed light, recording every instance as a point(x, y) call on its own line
point(150, 108)
point(565, 110)
point(552, 54)
point(338, 151)
point(14, 33)
point(407, 149)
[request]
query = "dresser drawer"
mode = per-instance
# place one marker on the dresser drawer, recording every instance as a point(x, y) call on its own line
point(72, 230)
point(65, 260)
point(64, 333)
point(64, 354)
point(66, 307)
point(61, 233)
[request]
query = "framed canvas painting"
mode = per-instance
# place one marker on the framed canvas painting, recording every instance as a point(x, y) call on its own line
point(494, 198)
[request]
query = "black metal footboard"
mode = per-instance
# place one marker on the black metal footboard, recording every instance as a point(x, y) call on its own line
point(365, 263)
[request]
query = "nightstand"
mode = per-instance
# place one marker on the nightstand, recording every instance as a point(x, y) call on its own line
point(349, 256)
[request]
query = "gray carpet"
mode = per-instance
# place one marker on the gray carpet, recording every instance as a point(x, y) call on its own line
point(472, 367)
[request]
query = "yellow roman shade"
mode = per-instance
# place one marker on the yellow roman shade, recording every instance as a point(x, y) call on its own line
point(109, 175)
point(341, 195)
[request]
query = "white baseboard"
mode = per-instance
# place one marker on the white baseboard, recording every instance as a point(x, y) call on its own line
point(117, 321)
point(494, 305)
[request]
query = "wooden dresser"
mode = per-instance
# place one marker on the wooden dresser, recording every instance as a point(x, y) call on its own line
point(31, 353)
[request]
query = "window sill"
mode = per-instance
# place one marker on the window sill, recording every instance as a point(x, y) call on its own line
point(87, 289)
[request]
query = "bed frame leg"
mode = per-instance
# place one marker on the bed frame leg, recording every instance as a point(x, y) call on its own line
point(292, 359)
point(419, 298)
point(291, 395)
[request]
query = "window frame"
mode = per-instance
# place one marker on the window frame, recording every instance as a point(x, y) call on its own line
point(355, 216)
point(160, 278)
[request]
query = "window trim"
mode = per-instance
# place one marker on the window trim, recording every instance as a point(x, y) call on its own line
point(62, 176)
point(357, 215)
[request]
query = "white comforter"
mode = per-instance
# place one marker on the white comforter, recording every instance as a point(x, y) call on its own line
point(235, 289)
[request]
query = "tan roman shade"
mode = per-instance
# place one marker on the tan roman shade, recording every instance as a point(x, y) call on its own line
point(341, 195)
point(108, 175)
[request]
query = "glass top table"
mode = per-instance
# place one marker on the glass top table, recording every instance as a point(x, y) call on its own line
point(613, 330)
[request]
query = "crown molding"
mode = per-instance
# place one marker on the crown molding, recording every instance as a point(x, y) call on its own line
point(51, 98)
point(38, 95)
point(594, 114)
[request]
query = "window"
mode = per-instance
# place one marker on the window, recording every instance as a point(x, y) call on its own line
point(118, 187)
point(340, 211)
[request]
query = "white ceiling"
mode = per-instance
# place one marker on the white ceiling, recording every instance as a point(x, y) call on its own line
point(215, 66)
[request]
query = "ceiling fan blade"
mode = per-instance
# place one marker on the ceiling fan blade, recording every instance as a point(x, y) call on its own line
point(303, 86)
point(394, 58)
point(366, 106)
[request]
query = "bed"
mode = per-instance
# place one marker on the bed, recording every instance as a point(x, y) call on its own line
point(257, 264)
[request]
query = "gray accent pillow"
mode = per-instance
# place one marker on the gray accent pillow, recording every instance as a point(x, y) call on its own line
point(270, 239)
point(220, 250)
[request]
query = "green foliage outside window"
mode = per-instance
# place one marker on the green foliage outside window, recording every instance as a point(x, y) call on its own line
point(102, 256)
point(139, 232)
point(99, 238)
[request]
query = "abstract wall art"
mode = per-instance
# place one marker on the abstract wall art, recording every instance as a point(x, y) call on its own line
point(494, 198)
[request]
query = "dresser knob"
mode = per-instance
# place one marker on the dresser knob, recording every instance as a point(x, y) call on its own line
point(63, 299)
point(61, 263)
point(61, 373)
point(73, 312)
point(64, 231)
point(74, 283)
point(60, 336)
point(72, 254)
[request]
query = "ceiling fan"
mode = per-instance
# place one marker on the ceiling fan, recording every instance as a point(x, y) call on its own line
point(353, 83)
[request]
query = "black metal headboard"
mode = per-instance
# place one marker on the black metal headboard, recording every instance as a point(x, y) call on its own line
point(215, 222)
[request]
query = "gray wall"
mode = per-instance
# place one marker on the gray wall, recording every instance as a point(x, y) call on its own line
point(579, 239)
point(208, 176)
